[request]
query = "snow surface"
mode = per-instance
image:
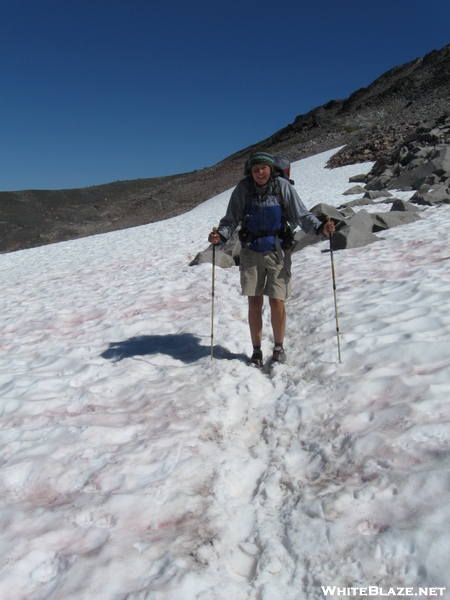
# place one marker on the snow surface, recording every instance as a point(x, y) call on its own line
point(134, 467)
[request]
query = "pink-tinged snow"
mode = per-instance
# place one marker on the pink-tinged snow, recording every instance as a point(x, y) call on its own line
point(134, 467)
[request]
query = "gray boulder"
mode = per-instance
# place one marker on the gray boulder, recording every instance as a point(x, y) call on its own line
point(362, 178)
point(357, 202)
point(374, 195)
point(227, 254)
point(347, 212)
point(322, 211)
point(439, 194)
point(382, 221)
point(361, 220)
point(356, 189)
point(381, 182)
point(402, 206)
point(222, 260)
point(352, 237)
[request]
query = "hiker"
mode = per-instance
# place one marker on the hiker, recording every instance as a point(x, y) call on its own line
point(264, 204)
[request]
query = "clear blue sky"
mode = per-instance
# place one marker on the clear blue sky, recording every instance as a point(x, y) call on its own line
point(93, 91)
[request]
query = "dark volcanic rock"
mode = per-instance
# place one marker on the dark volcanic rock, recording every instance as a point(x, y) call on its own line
point(401, 205)
point(436, 195)
point(419, 162)
point(356, 189)
point(352, 237)
point(391, 219)
point(324, 211)
point(361, 220)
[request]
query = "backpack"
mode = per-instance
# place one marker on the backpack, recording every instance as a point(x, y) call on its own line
point(281, 166)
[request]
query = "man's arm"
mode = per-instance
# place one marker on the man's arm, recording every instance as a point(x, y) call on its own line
point(298, 214)
point(235, 212)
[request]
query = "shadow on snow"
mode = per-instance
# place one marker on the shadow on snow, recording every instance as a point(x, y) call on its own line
point(184, 346)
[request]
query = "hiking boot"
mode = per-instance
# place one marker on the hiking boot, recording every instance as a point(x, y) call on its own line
point(256, 360)
point(279, 355)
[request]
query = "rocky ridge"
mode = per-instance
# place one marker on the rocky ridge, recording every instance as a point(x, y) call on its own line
point(369, 123)
point(420, 162)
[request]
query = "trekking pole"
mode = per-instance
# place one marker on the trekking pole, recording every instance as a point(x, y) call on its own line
point(334, 289)
point(212, 295)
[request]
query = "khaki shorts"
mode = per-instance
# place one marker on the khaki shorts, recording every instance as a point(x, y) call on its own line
point(263, 274)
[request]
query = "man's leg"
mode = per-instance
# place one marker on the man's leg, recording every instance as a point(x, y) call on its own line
point(255, 304)
point(278, 319)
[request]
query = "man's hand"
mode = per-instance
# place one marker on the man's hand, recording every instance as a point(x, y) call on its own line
point(328, 228)
point(214, 237)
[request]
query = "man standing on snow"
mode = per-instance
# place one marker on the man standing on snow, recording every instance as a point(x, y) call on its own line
point(263, 204)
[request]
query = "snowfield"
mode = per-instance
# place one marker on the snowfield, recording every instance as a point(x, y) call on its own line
point(133, 467)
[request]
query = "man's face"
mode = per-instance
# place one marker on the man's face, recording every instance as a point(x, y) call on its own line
point(261, 173)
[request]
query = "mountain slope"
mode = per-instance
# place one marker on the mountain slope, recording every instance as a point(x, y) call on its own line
point(369, 123)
